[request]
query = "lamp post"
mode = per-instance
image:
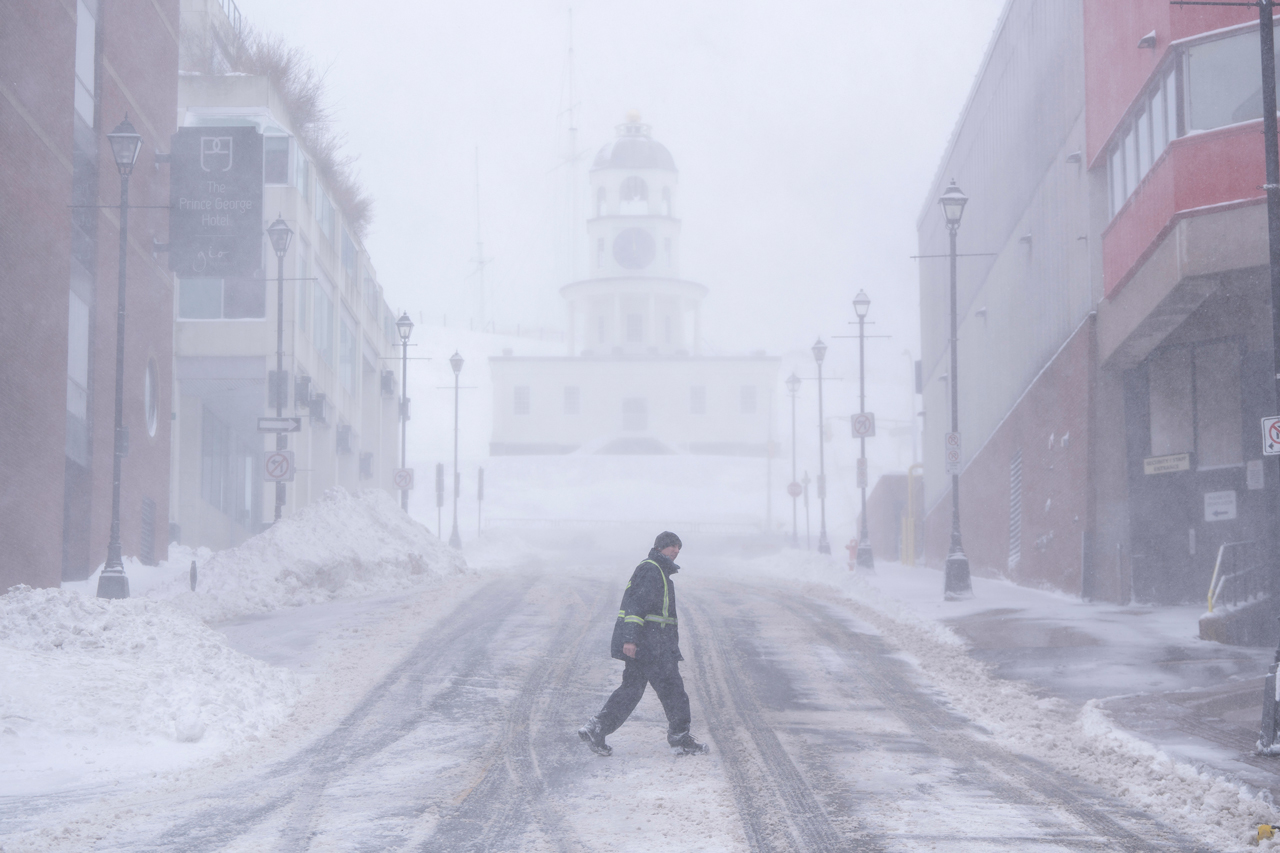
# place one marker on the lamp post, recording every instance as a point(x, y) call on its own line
point(861, 304)
point(280, 235)
point(405, 327)
point(794, 488)
point(956, 584)
point(455, 361)
point(808, 539)
point(125, 145)
point(819, 353)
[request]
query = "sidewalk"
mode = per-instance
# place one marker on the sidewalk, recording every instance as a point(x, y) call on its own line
point(1200, 702)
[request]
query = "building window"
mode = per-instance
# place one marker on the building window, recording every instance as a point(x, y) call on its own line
point(371, 299)
point(1015, 510)
point(86, 62)
point(222, 299)
point(521, 406)
point(302, 287)
point(78, 358)
point(1169, 374)
point(1141, 138)
point(322, 337)
point(348, 352)
point(633, 197)
point(275, 160)
point(348, 259)
point(325, 214)
point(698, 400)
point(600, 201)
point(226, 469)
point(1222, 81)
point(303, 178)
point(571, 399)
point(635, 328)
point(747, 399)
point(666, 201)
point(635, 414)
point(151, 396)
point(1195, 403)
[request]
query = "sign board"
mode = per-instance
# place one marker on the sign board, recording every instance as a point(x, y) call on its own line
point(216, 220)
point(279, 424)
point(862, 473)
point(951, 450)
point(864, 425)
point(795, 489)
point(1253, 475)
point(403, 478)
point(1219, 506)
point(1166, 464)
point(1271, 436)
point(278, 466)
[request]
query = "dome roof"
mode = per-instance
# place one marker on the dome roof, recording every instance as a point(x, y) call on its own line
point(634, 149)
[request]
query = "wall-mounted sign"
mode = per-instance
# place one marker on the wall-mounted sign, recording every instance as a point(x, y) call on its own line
point(951, 451)
point(1219, 506)
point(1166, 464)
point(215, 202)
point(1253, 474)
point(1271, 436)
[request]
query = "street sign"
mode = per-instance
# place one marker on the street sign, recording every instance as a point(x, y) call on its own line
point(862, 473)
point(278, 466)
point(1219, 506)
point(403, 478)
point(864, 425)
point(951, 451)
point(1271, 436)
point(795, 489)
point(1253, 477)
point(279, 424)
point(215, 202)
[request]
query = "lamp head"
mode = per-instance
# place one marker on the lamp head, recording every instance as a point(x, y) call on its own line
point(953, 202)
point(819, 351)
point(861, 303)
point(793, 382)
point(405, 327)
point(455, 361)
point(125, 145)
point(280, 235)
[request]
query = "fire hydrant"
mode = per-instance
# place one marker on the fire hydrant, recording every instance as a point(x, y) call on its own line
point(852, 548)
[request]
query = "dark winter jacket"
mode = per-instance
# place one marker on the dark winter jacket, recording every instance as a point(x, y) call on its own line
point(647, 615)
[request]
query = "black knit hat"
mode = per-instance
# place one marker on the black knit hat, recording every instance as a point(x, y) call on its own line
point(666, 539)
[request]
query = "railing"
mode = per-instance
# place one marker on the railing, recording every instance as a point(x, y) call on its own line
point(1237, 573)
point(595, 524)
point(232, 11)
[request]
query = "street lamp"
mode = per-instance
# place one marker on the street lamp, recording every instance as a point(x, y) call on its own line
point(819, 353)
point(865, 559)
point(405, 327)
point(125, 145)
point(956, 584)
point(280, 235)
point(794, 488)
point(455, 361)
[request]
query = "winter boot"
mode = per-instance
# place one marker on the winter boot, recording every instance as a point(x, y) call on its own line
point(594, 737)
point(685, 744)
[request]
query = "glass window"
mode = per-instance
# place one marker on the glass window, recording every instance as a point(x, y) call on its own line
point(1143, 126)
point(348, 352)
point(635, 414)
point(698, 400)
point(86, 61)
point(244, 299)
point(666, 201)
point(571, 400)
point(303, 177)
point(633, 197)
point(302, 291)
point(1223, 81)
point(325, 213)
point(1131, 176)
point(521, 400)
point(1117, 179)
point(747, 399)
point(1159, 127)
point(348, 258)
point(1169, 388)
point(1218, 406)
point(78, 357)
point(275, 159)
point(151, 396)
point(1171, 103)
point(200, 299)
point(322, 337)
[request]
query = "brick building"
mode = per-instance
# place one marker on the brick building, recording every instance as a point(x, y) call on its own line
point(69, 72)
point(1115, 347)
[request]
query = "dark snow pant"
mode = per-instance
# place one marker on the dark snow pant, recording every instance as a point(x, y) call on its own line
point(664, 675)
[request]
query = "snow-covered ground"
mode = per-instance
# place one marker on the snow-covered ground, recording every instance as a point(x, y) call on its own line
point(287, 632)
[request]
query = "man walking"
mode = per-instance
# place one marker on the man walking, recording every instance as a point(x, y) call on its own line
point(647, 640)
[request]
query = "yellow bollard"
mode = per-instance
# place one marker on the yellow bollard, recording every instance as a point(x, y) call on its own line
point(1266, 830)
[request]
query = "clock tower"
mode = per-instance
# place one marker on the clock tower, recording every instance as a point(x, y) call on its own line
point(635, 302)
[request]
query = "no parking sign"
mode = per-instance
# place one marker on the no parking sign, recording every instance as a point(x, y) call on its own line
point(1271, 436)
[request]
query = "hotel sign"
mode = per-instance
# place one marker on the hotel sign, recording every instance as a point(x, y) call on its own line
point(1166, 464)
point(215, 202)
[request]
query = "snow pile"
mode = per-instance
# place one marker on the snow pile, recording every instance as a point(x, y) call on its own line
point(81, 674)
point(1085, 743)
point(340, 546)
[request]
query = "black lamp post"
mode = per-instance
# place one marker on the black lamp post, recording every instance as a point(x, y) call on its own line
point(794, 489)
point(405, 327)
point(280, 235)
point(455, 361)
point(819, 353)
point(861, 304)
point(125, 145)
point(957, 584)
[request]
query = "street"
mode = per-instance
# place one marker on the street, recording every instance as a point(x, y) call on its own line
point(823, 738)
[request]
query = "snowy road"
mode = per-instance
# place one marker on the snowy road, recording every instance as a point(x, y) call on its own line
point(824, 738)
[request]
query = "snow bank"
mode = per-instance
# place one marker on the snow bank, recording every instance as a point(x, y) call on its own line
point(340, 546)
point(1086, 743)
point(94, 682)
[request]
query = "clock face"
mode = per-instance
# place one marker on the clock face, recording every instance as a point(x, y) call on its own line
point(634, 248)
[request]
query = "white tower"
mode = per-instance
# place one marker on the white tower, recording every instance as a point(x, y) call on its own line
point(634, 303)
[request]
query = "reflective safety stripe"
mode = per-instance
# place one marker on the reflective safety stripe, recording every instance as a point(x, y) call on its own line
point(666, 595)
point(622, 614)
point(635, 619)
point(660, 619)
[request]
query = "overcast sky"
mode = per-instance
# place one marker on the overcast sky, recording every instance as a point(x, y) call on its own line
point(806, 134)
